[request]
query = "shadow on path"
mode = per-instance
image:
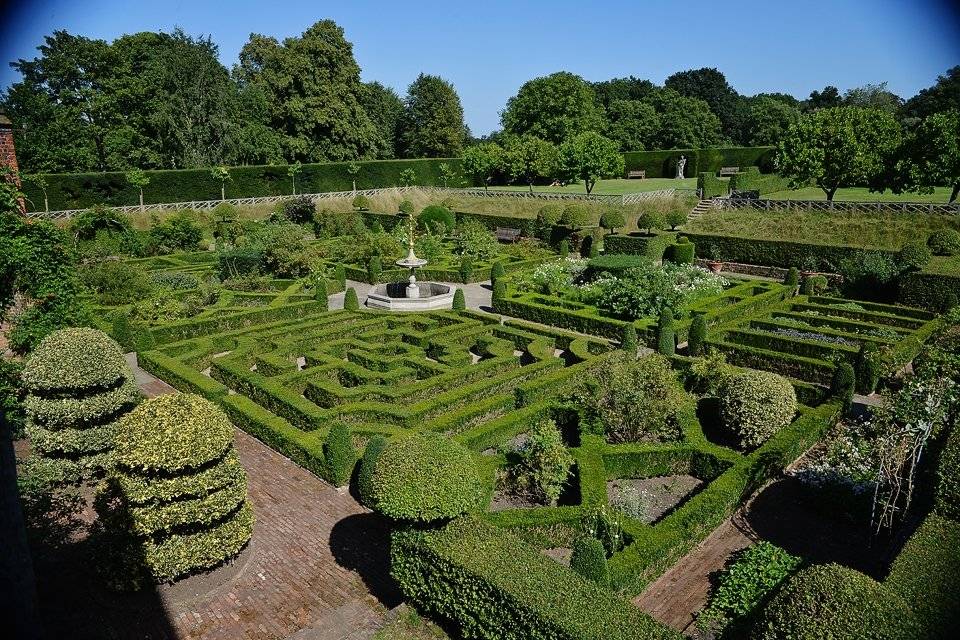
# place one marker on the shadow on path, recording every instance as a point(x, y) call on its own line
point(361, 543)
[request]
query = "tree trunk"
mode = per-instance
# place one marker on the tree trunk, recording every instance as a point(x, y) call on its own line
point(223, 191)
point(354, 185)
point(530, 184)
point(955, 193)
point(830, 193)
point(141, 199)
point(46, 203)
point(588, 185)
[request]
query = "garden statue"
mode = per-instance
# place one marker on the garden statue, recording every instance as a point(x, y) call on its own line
point(681, 163)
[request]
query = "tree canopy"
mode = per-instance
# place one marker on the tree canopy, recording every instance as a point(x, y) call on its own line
point(589, 156)
point(433, 119)
point(553, 108)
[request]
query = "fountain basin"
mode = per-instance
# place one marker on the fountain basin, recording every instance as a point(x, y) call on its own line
point(393, 297)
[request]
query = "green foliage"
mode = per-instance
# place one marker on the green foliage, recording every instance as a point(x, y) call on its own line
point(350, 301)
point(179, 232)
point(466, 268)
point(528, 159)
point(423, 478)
point(770, 119)
point(484, 162)
point(564, 248)
point(406, 207)
point(496, 272)
point(115, 282)
point(948, 477)
point(755, 405)
point(499, 290)
point(299, 210)
point(675, 218)
point(710, 186)
point(361, 203)
point(373, 269)
point(340, 275)
point(554, 108)
point(433, 124)
point(793, 277)
point(945, 242)
point(11, 395)
point(548, 217)
point(832, 601)
point(589, 156)
point(746, 582)
point(176, 501)
point(814, 285)
point(330, 224)
point(437, 218)
point(914, 255)
point(459, 302)
point(99, 219)
point(340, 454)
point(649, 220)
point(684, 122)
point(666, 338)
point(590, 560)
point(543, 464)
point(697, 337)
point(612, 219)
point(368, 461)
point(629, 340)
point(408, 178)
point(931, 155)
point(868, 368)
point(575, 215)
point(843, 384)
point(632, 124)
point(683, 252)
point(473, 239)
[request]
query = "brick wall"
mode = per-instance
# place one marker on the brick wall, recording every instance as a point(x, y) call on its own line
point(8, 155)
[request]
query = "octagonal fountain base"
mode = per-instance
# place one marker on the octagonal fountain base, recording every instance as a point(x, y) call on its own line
point(393, 297)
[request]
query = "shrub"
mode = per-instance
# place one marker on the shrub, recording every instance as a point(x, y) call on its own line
point(330, 224)
point(746, 582)
point(544, 463)
point(475, 240)
point(466, 268)
point(425, 477)
point(914, 256)
point(434, 217)
point(948, 477)
point(340, 454)
point(406, 207)
point(115, 282)
point(649, 220)
point(11, 396)
point(365, 474)
point(615, 264)
point(612, 219)
point(174, 280)
point(340, 275)
point(299, 210)
point(590, 560)
point(238, 262)
point(496, 271)
point(374, 269)
point(666, 342)
point(697, 336)
point(499, 290)
point(843, 384)
point(632, 400)
point(793, 277)
point(77, 384)
point(98, 219)
point(564, 248)
point(832, 601)
point(547, 218)
point(675, 218)
point(814, 285)
point(361, 203)
point(176, 500)
point(629, 340)
point(350, 301)
point(754, 405)
point(179, 232)
point(868, 368)
point(945, 242)
point(459, 302)
point(683, 252)
point(575, 215)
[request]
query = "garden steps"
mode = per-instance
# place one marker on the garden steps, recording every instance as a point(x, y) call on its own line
point(703, 206)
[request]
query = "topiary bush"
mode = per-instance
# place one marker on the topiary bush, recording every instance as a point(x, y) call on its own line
point(114, 282)
point(365, 474)
point(496, 272)
point(361, 203)
point(78, 385)
point(340, 454)
point(547, 218)
point(466, 268)
point(340, 275)
point(945, 242)
point(754, 405)
point(650, 220)
point(683, 252)
point(629, 340)
point(666, 340)
point(374, 268)
point(793, 277)
point(575, 215)
point(612, 219)
point(423, 478)
point(564, 248)
point(435, 217)
point(175, 501)
point(868, 368)
point(832, 601)
point(675, 218)
point(697, 337)
point(543, 464)
point(914, 255)
point(843, 384)
point(459, 301)
point(589, 559)
point(299, 209)
point(814, 285)
point(350, 301)
point(499, 290)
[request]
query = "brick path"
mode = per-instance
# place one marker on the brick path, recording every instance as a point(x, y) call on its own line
point(316, 569)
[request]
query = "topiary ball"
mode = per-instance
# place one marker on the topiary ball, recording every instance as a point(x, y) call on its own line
point(832, 601)
point(914, 255)
point(435, 216)
point(423, 478)
point(754, 405)
point(945, 242)
point(74, 360)
point(589, 559)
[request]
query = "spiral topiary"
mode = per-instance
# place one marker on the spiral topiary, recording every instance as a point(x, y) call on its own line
point(176, 499)
point(78, 384)
point(754, 405)
point(423, 478)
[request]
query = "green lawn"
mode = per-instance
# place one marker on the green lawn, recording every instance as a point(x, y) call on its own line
point(865, 229)
point(615, 187)
point(861, 194)
point(946, 265)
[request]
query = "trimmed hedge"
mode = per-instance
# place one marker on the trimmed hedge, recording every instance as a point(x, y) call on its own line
point(176, 499)
point(933, 291)
point(754, 405)
point(652, 247)
point(948, 477)
point(761, 183)
point(663, 164)
point(710, 186)
point(492, 585)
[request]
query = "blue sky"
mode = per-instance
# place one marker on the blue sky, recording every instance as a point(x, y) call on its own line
point(489, 48)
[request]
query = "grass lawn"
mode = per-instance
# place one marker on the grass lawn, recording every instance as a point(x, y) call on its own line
point(861, 194)
point(946, 265)
point(613, 187)
point(865, 229)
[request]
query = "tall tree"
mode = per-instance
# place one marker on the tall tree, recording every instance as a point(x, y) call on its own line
point(484, 161)
point(873, 96)
point(932, 155)
point(313, 93)
point(553, 108)
point(838, 147)
point(385, 109)
point(711, 86)
point(769, 120)
point(942, 96)
point(528, 159)
point(432, 122)
point(632, 124)
point(589, 156)
point(685, 123)
point(621, 89)
point(826, 99)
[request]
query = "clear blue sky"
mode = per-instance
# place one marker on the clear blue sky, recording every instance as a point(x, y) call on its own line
point(489, 48)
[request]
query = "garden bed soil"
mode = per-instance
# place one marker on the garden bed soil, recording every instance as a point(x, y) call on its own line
point(559, 554)
point(504, 499)
point(659, 495)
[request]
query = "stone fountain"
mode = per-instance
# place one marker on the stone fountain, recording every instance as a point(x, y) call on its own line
point(415, 296)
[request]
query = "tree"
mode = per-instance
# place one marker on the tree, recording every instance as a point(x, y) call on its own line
point(408, 177)
point(40, 180)
point(529, 158)
point(826, 99)
point(769, 120)
point(942, 96)
point(685, 123)
point(385, 109)
point(353, 169)
point(135, 177)
point(589, 156)
point(873, 96)
point(612, 219)
point(633, 124)
point(223, 175)
point(711, 86)
point(293, 171)
point(313, 94)
point(483, 162)
point(432, 122)
point(932, 155)
point(630, 89)
point(447, 173)
point(838, 147)
point(554, 108)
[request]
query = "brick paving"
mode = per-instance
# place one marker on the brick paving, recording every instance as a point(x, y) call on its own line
point(316, 569)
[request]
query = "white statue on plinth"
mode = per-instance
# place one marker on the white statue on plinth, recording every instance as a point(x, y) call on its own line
point(681, 163)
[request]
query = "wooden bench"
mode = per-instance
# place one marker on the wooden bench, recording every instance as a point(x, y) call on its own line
point(728, 171)
point(507, 234)
point(637, 174)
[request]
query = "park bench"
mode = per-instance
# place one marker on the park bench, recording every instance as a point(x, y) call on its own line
point(728, 171)
point(637, 174)
point(507, 234)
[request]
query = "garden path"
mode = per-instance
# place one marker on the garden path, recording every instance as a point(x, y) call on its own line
point(317, 568)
